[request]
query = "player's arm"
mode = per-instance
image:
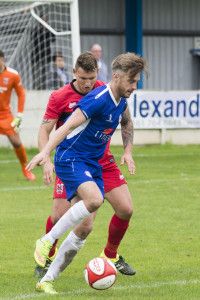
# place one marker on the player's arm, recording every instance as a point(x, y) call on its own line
point(17, 122)
point(75, 120)
point(20, 93)
point(46, 128)
point(127, 138)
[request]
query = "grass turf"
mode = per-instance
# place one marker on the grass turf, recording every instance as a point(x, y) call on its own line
point(162, 242)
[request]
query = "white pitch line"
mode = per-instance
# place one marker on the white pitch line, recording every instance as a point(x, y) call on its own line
point(119, 155)
point(159, 155)
point(8, 161)
point(164, 180)
point(116, 288)
point(23, 188)
point(7, 189)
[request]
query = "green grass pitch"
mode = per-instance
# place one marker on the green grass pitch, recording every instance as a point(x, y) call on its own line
point(162, 242)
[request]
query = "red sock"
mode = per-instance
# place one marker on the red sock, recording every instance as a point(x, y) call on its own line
point(49, 226)
point(117, 229)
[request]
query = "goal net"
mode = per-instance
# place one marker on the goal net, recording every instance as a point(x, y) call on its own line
point(32, 32)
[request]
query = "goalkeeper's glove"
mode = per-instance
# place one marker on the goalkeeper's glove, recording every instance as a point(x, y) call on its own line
point(17, 123)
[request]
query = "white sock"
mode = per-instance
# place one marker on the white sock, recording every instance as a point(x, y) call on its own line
point(69, 248)
point(71, 218)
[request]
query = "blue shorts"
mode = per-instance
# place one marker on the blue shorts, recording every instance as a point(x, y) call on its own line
point(75, 173)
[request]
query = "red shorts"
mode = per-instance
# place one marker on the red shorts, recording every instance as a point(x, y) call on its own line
point(59, 189)
point(112, 178)
point(5, 125)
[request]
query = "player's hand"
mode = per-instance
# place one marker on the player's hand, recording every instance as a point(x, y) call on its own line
point(127, 158)
point(48, 170)
point(39, 160)
point(17, 123)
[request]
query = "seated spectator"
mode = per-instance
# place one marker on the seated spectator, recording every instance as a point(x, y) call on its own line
point(103, 70)
point(57, 76)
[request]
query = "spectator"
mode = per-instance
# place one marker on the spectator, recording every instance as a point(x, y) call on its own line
point(103, 70)
point(57, 76)
point(41, 54)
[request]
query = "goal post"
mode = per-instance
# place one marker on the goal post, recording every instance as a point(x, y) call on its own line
point(32, 32)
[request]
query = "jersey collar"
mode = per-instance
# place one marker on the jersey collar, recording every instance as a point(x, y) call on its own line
point(75, 90)
point(112, 96)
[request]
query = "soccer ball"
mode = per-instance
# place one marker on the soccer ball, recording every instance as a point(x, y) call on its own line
point(100, 273)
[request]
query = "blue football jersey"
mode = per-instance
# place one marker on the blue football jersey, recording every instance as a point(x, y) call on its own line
point(88, 141)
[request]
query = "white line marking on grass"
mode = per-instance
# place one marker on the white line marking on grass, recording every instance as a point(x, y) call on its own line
point(116, 288)
point(164, 180)
point(8, 161)
point(120, 155)
point(23, 188)
point(157, 284)
point(7, 189)
point(159, 155)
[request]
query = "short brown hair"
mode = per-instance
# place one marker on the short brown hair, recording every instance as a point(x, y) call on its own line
point(57, 54)
point(1, 53)
point(87, 62)
point(129, 63)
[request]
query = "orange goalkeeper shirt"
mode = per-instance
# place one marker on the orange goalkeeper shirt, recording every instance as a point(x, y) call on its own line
point(10, 79)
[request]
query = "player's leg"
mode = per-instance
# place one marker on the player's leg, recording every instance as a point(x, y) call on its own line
point(69, 248)
point(93, 198)
point(60, 206)
point(21, 155)
point(8, 130)
point(81, 232)
point(78, 180)
point(121, 202)
point(83, 229)
point(118, 195)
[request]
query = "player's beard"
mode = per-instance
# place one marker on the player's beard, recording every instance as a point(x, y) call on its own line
point(124, 93)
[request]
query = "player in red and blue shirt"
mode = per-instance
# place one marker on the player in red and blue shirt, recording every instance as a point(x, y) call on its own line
point(86, 194)
point(87, 142)
point(103, 115)
point(117, 224)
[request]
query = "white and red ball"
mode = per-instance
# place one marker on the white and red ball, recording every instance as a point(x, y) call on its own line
point(100, 273)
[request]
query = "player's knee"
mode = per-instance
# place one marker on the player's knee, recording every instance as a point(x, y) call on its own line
point(16, 144)
point(15, 140)
point(95, 203)
point(129, 212)
point(83, 231)
point(54, 218)
point(128, 209)
point(125, 212)
point(60, 206)
point(56, 215)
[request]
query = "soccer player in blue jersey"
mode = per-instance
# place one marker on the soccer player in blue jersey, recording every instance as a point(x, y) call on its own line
point(81, 142)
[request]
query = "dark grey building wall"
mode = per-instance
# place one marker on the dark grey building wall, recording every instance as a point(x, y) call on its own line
point(169, 28)
point(169, 31)
point(171, 14)
point(103, 22)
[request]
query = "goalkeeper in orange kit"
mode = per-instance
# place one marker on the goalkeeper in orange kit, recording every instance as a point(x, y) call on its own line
point(10, 126)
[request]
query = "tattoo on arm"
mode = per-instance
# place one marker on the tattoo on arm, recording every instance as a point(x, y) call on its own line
point(127, 128)
point(45, 121)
